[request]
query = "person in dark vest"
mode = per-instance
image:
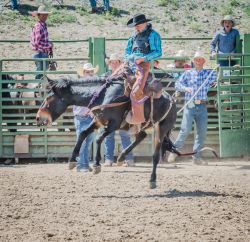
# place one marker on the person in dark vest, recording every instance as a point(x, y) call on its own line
point(143, 46)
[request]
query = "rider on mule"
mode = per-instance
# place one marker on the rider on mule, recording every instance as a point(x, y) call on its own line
point(143, 46)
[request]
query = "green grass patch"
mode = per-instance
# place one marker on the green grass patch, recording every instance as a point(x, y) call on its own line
point(247, 11)
point(196, 27)
point(82, 11)
point(235, 3)
point(57, 17)
point(226, 10)
point(175, 4)
point(60, 16)
point(11, 17)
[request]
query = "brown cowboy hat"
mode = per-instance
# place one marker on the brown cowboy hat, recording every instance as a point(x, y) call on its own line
point(137, 19)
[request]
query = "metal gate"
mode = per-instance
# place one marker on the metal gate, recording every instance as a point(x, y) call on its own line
point(234, 108)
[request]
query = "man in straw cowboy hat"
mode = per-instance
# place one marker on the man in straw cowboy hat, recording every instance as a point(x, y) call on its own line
point(114, 62)
point(82, 119)
point(40, 43)
point(88, 70)
point(143, 46)
point(224, 40)
point(195, 84)
point(181, 61)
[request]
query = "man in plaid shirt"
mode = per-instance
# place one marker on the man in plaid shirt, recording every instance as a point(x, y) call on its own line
point(40, 40)
point(196, 110)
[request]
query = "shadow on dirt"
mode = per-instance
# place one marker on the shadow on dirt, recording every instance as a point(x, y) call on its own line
point(197, 193)
point(173, 194)
point(136, 169)
point(25, 9)
point(247, 167)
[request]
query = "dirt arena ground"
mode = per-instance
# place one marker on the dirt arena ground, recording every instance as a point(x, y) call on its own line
point(47, 202)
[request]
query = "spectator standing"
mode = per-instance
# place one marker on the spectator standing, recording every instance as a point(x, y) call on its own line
point(14, 4)
point(82, 119)
point(114, 63)
point(189, 82)
point(224, 40)
point(40, 43)
point(143, 46)
point(106, 6)
point(179, 63)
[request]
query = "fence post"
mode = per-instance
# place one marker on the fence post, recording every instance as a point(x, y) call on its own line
point(1, 111)
point(246, 62)
point(90, 56)
point(98, 53)
point(238, 44)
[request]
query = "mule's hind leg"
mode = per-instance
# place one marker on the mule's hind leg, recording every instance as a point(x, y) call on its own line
point(161, 131)
point(138, 138)
point(156, 158)
point(81, 138)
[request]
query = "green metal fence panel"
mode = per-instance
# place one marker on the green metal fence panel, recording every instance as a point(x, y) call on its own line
point(43, 142)
point(234, 112)
point(98, 46)
point(58, 141)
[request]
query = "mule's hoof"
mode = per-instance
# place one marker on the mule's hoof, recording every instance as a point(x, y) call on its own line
point(119, 163)
point(72, 165)
point(152, 185)
point(96, 169)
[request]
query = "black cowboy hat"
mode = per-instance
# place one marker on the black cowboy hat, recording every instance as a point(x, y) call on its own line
point(137, 19)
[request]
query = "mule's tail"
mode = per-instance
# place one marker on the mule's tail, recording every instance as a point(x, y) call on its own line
point(167, 145)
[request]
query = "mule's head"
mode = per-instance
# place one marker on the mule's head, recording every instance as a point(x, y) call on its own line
point(53, 105)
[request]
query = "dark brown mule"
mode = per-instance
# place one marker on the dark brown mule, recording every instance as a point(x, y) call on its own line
point(66, 92)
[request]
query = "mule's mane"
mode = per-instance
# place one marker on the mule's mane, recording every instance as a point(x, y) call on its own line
point(69, 81)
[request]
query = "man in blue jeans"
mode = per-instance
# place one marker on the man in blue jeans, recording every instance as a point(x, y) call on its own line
point(14, 4)
point(40, 43)
point(106, 6)
point(82, 119)
point(109, 143)
point(196, 110)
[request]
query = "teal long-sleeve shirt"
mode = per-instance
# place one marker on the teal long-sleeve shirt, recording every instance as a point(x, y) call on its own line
point(155, 49)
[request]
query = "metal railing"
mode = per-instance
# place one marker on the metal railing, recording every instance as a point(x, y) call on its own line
point(53, 142)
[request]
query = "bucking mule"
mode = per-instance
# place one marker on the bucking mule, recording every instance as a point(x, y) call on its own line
point(105, 97)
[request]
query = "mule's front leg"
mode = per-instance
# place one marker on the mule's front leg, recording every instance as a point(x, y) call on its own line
point(156, 158)
point(105, 132)
point(81, 138)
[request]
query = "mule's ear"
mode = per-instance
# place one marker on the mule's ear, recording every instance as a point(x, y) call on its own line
point(50, 81)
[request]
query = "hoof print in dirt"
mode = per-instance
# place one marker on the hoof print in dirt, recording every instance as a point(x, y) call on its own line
point(152, 185)
point(72, 165)
point(119, 163)
point(96, 169)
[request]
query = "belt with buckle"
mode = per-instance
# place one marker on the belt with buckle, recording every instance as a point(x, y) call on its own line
point(200, 102)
